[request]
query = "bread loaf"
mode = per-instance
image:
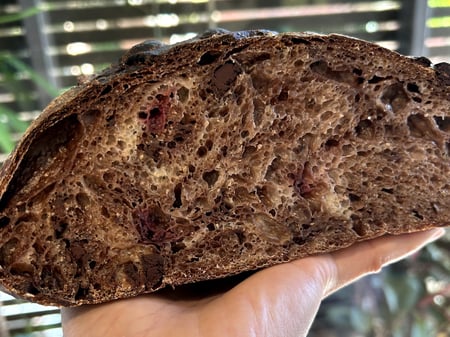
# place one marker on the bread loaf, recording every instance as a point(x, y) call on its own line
point(226, 153)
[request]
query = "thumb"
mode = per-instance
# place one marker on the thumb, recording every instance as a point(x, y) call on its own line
point(371, 256)
point(285, 298)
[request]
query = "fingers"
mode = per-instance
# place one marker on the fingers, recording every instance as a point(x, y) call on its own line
point(368, 257)
point(285, 298)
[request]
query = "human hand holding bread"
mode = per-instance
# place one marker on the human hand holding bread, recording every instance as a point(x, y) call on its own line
point(279, 301)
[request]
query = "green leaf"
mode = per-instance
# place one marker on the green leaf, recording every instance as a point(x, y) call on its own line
point(23, 14)
point(421, 328)
point(6, 143)
point(35, 77)
point(402, 293)
point(9, 117)
point(361, 321)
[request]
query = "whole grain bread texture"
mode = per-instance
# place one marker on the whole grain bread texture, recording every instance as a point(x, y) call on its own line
point(226, 153)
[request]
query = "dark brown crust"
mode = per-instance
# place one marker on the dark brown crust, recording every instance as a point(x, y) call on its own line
point(165, 252)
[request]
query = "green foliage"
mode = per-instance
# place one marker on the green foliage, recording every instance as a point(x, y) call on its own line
point(408, 299)
point(7, 18)
point(12, 71)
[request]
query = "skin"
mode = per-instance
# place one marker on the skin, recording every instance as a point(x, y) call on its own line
point(280, 301)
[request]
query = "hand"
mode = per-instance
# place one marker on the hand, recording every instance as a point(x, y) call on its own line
point(280, 301)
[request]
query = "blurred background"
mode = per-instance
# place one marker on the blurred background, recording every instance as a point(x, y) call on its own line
point(46, 45)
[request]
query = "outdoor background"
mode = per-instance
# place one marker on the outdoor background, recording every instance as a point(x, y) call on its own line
point(46, 45)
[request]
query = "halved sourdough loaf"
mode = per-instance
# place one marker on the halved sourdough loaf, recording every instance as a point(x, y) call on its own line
point(226, 153)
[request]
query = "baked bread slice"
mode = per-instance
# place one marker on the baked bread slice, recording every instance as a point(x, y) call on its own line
point(226, 153)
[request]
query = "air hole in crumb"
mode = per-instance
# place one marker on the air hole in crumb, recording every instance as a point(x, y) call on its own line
point(331, 143)
point(105, 212)
point(387, 190)
point(258, 111)
point(209, 144)
point(82, 200)
point(394, 97)
point(353, 197)
point(224, 150)
point(359, 228)
point(244, 134)
point(177, 192)
point(4, 221)
point(377, 79)
point(142, 115)
point(32, 290)
point(81, 293)
point(443, 123)
point(413, 87)
point(420, 126)
point(60, 228)
point(202, 151)
point(211, 177)
point(183, 94)
point(283, 96)
point(416, 214)
point(364, 129)
point(211, 227)
point(209, 57)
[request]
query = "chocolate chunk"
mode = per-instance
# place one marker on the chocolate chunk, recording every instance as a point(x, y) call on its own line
point(224, 76)
point(153, 267)
point(132, 273)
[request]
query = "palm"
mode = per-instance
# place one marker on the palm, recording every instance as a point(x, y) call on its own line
point(278, 301)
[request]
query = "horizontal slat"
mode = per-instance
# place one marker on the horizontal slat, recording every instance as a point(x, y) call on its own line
point(28, 315)
point(38, 328)
point(440, 11)
point(117, 34)
point(444, 32)
point(233, 4)
point(112, 11)
point(338, 22)
point(328, 11)
point(439, 51)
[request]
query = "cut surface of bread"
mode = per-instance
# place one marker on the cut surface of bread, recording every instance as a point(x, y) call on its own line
point(226, 153)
